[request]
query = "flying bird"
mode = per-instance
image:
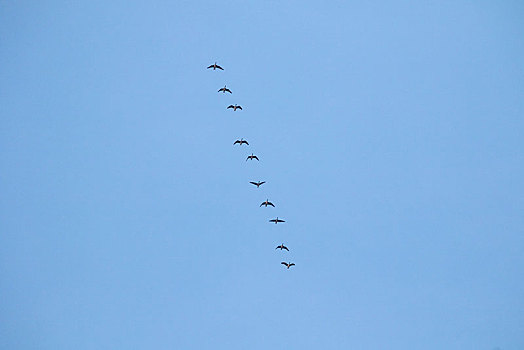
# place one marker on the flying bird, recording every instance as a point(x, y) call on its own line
point(276, 221)
point(288, 265)
point(282, 246)
point(235, 107)
point(266, 203)
point(224, 89)
point(257, 183)
point(240, 142)
point(252, 157)
point(215, 66)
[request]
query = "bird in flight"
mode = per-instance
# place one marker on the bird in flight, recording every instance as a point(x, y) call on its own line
point(224, 89)
point(282, 246)
point(215, 66)
point(252, 157)
point(276, 221)
point(266, 203)
point(257, 183)
point(235, 107)
point(240, 142)
point(288, 265)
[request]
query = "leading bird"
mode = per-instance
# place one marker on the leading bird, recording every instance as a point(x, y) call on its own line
point(240, 142)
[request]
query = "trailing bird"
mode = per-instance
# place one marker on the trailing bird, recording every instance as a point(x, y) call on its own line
point(266, 203)
point(288, 265)
point(224, 89)
point(276, 221)
point(215, 66)
point(235, 107)
point(257, 183)
point(282, 246)
point(240, 142)
point(252, 157)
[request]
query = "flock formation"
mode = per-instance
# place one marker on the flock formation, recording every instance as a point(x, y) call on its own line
point(252, 157)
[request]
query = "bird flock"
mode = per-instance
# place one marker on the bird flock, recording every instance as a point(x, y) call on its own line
point(252, 157)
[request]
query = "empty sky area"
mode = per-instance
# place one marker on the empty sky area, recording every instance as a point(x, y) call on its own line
point(390, 135)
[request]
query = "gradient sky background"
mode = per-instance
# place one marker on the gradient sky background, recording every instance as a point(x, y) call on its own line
point(390, 135)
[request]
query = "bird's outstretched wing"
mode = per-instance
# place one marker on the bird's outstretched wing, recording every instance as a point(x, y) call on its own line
point(211, 66)
point(260, 183)
point(230, 106)
point(292, 264)
point(271, 204)
point(262, 203)
point(219, 67)
point(285, 248)
point(221, 89)
point(228, 91)
point(254, 183)
point(277, 247)
point(284, 263)
point(236, 142)
point(273, 220)
point(239, 107)
point(256, 158)
point(245, 142)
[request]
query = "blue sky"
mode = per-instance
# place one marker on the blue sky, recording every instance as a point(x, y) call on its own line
point(389, 134)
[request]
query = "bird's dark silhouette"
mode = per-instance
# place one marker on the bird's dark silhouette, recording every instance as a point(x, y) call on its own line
point(257, 183)
point(282, 246)
point(215, 66)
point(235, 107)
point(276, 221)
point(266, 203)
point(240, 142)
point(251, 157)
point(288, 265)
point(224, 90)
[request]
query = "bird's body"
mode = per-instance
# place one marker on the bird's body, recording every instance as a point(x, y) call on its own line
point(224, 90)
point(240, 142)
point(276, 221)
point(266, 203)
point(251, 157)
point(257, 183)
point(235, 107)
point(288, 265)
point(282, 246)
point(215, 66)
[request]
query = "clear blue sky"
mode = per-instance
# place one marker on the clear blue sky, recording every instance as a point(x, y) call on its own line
point(390, 135)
